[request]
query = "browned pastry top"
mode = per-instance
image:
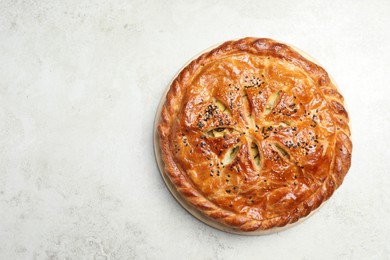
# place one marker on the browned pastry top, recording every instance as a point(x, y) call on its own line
point(254, 135)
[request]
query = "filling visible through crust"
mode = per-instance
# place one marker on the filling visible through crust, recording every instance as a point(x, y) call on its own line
point(254, 135)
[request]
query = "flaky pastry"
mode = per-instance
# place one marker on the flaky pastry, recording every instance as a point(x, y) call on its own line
point(254, 135)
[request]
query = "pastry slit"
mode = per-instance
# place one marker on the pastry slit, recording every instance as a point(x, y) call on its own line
point(220, 131)
point(255, 154)
point(282, 151)
point(230, 155)
point(248, 107)
point(272, 102)
point(221, 106)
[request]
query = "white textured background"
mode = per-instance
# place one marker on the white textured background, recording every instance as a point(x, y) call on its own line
point(79, 86)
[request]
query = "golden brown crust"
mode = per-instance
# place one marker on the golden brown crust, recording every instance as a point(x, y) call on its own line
point(254, 135)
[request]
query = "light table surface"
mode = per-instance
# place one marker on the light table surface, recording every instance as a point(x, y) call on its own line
point(80, 82)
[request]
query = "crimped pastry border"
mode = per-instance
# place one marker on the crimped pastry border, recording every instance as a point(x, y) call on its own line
point(343, 145)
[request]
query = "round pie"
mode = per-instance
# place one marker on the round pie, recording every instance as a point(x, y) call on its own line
point(253, 135)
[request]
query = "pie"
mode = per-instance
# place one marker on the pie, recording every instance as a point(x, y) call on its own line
point(254, 135)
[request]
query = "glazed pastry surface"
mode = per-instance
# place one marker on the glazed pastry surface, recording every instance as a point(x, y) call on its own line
point(254, 135)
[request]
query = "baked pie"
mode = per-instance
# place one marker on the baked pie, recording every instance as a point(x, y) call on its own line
point(254, 135)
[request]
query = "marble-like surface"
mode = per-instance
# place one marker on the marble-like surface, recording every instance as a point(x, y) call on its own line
point(80, 82)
